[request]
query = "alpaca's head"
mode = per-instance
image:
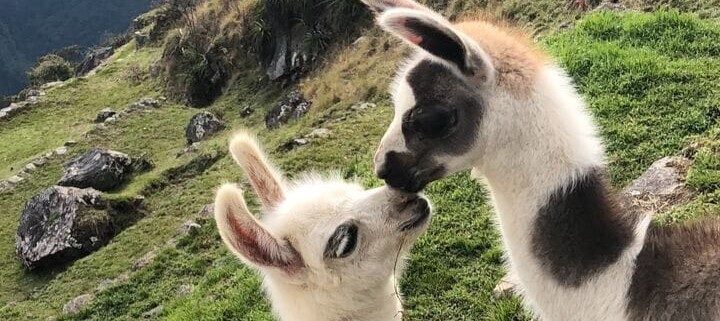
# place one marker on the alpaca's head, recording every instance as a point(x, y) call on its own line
point(317, 233)
point(452, 97)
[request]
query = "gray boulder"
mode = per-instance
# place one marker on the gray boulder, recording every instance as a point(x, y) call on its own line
point(61, 224)
point(292, 107)
point(203, 125)
point(99, 168)
point(661, 187)
point(93, 59)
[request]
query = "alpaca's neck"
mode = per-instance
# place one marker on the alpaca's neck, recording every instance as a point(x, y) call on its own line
point(304, 303)
point(566, 239)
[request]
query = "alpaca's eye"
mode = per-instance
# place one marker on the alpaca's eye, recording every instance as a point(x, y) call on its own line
point(433, 123)
point(343, 242)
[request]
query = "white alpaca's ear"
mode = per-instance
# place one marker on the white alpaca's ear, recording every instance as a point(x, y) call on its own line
point(432, 33)
point(245, 237)
point(264, 178)
point(380, 6)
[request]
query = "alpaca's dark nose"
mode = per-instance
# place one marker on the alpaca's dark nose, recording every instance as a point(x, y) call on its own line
point(398, 172)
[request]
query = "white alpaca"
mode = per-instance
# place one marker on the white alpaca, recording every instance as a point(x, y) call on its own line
point(478, 97)
point(328, 250)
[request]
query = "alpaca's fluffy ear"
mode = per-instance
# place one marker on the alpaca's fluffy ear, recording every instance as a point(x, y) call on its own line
point(265, 179)
point(380, 6)
point(432, 33)
point(245, 237)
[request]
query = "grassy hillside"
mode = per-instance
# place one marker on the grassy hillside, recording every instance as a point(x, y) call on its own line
point(650, 80)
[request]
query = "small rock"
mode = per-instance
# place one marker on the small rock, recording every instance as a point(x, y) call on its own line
point(247, 111)
point(104, 114)
point(207, 212)
point(507, 286)
point(690, 150)
point(203, 125)
point(187, 228)
point(155, 312)
point(144, 261)
point(70, 143)
point(661, 187)
point(319, 133)
point(99, 168)
point(104, 284)
point(41, 161)
point(30, 167)
point(14, 180)
point(363, 106)
point(293, 106)
point(187, 150)
point(144, 103)
point(61, 150)
point(77, 304)
point(185, 289)
point(142, 164)
point(297, 142)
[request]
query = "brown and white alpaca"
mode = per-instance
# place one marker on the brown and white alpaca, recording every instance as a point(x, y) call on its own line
point(328, 249)
point(476, 96)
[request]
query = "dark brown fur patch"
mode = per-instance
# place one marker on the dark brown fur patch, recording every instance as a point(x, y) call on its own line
point(581, 230)
point(438, 92)
point(677, 274)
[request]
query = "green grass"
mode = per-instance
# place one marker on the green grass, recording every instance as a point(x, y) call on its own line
point(650, 80)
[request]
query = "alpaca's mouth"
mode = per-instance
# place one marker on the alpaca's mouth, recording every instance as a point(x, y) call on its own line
point(421, 210)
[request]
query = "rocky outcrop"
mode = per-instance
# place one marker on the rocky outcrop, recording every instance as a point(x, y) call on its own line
point(141, 39)
point(661, 187)
point(101, 169)
point(292, 107)
point(201, 126)
point(104, 114)
point(30, 96)
point(61, 224)
point(143, 104)
point(93, 59)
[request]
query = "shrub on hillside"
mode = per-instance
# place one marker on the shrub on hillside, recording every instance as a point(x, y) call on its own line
point(221, 38)
point(50, 68)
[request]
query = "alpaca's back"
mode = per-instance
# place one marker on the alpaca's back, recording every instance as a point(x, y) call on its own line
point(677, 274)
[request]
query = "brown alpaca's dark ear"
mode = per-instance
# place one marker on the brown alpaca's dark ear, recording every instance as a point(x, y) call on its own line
point(247, 238)
point(434, 34)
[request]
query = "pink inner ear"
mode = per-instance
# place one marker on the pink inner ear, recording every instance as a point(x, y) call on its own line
point(414, 38)
point(258, 246)
point(409, 36)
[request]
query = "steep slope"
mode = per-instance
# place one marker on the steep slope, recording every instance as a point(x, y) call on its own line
point(650, 79)
point(30, 29)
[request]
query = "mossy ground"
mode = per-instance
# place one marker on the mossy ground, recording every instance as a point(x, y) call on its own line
point(650, 80)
